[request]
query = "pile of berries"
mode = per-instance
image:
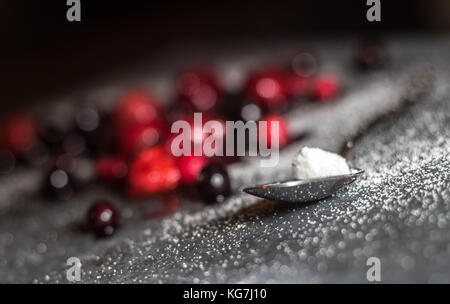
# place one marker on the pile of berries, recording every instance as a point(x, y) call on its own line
point(129, 146)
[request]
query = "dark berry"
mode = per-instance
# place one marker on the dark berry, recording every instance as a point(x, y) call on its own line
point(7, 161)
point(74, 144)
point(103, 219)
point(213, 183)
point(304, 64)
point(37, 155)
point(89, 123)
point(84, 172)
point(69, 175)
point(81, 169)
point(87, 118)
point(59, 185)
point(198, 89)
point(371, 55)
point(239, 107)
point(102, 139)
point(56, 125)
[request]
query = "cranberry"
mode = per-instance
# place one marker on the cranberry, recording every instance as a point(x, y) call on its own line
point(103, 219)
point(111, 168)
point(19, 134)
point(190, 167)
point(371, 55)
point(199, 90)
point(283, 131)
point(213, 183)
point(298, 86)
point(268, 87)
point(152, 171)
point(137, 107)
point(326, 87)
point(137, 137)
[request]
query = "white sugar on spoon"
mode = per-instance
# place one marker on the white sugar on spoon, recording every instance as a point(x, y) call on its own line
point(315, 163)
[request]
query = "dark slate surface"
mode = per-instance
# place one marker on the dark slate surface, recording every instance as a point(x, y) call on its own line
point(398, 211)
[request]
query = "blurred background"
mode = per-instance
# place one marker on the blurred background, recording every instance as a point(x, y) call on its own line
point(42, 55)
point(99, 126)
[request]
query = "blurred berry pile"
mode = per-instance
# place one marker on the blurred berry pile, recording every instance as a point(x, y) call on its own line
point(129, 146)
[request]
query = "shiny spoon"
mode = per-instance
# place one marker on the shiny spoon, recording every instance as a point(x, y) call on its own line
point(303, 191)
point(318, 188)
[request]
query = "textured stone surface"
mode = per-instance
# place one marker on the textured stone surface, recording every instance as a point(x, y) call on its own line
point(398, 211)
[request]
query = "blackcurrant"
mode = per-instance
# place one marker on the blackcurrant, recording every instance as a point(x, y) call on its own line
point(213, 183)
point(103, 218)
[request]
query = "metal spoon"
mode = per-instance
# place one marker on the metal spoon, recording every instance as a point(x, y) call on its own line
point(303, 191)
point(315, 189)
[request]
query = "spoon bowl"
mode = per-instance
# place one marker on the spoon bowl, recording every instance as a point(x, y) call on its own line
point(303, 191)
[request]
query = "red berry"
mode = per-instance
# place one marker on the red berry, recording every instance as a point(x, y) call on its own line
point(199, 89)
point(103, 219)
point(190, 166)
point(152, 171)
point(19, 133)
point(283, 131)
point(137, 107)
point(136, 137)
point(269, 88)
point(326, 87)
point(298, 86)
point(111, 168)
